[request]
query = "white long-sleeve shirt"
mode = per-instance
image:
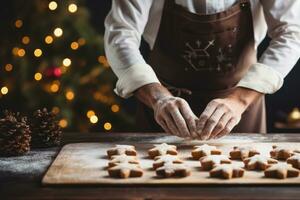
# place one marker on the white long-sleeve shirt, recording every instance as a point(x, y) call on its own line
point(129, 20)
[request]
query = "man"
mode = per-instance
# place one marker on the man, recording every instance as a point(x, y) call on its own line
point(202, 79)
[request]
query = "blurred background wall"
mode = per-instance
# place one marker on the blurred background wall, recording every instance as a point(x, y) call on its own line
point(51, 55)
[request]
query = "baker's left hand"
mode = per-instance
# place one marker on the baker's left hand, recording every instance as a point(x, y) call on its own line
point(223, 114)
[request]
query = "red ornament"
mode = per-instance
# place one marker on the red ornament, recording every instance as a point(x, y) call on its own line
point(53, 72)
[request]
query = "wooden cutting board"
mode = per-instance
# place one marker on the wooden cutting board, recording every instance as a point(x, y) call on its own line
point(85, 163)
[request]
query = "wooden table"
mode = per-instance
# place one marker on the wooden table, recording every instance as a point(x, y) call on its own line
point(30, 187)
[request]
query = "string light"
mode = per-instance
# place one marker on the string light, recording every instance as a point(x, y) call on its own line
point(94, 119)
point(72, 8)
point(102, 60)
point(81, 41)
point(8, 67)
point(74, 45)
point(52, 5)
point(38, 52)
point(48, 39)
point(55, 110)
point(115, 108)
point(15, 51)
point(90, 113)
point(21, 52)
point(58, 32)
point(4, 90)
point(18, 23)
point(295, 114)
point(107, 126)
point(38, 76)
point(70, 95)
point(25, 40)
point(63, 123)
point(67, 62)
point(54, 87)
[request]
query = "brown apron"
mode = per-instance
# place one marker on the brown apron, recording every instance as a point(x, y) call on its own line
point(202, 57)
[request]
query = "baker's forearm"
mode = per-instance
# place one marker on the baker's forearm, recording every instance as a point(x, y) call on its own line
point(245, 96)
point(149, 94)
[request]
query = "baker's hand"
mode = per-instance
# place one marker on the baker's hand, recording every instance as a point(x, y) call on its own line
point(222, 115)
point(175, 116)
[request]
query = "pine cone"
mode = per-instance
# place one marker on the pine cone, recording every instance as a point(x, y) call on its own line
point(14, 135)
point(45, 129)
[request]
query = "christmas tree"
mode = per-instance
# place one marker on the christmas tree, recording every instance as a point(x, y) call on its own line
point(52, 57)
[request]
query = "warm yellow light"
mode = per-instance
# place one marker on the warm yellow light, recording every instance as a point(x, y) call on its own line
point(72, 8)
point(8, 67)
point(38, 76)
point(90, 113)
point(58, 32)
point(94, 119)
point(54, 87)
point(63, 123)
point(18, 23)
point(81, 41)
point(15, 51)
point(4, 90)
point(52, 5)
point(295, 114)
point(107, 126)
point(21, 52)
point(38, 52)
point(70, 95)
point(48, 39)
point(103, 61)
point(115, 108)
point(25, 40)
point(67, 62)
point(74, 45)
point(55, 110)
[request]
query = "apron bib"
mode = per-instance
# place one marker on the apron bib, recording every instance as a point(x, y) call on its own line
point(202, 57)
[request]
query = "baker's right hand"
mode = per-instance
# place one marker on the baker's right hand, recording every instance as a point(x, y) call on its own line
point(175, 116)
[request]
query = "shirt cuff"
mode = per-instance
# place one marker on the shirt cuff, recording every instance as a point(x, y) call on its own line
point(133, 78)
point(262, 78)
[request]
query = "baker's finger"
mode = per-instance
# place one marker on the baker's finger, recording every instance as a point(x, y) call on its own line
point(205, 115)
point(221, 124)
point(189, 117)
point(170, 123)
point(164, 126)
point(212, 122)
point(229, 126)
point(180, 122)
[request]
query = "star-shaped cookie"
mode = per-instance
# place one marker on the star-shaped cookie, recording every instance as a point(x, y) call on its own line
point(173, 170)
point(240, 153)
point(125, 170)
point(258, 162)
point(281, 153)
point(294, 161)
point(211, 161)
point(281, 171)
point(117, 159)
point(122, 149)
point(227, 171)
point(162, 149)
point(162, 160)
point(205, 150)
